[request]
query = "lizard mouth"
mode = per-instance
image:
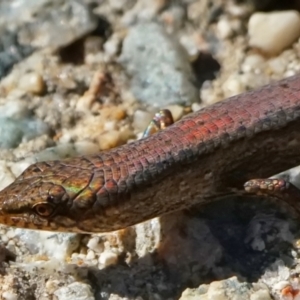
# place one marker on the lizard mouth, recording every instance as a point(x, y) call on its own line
point(6, 219)
point(22, 221)
point(31, 221)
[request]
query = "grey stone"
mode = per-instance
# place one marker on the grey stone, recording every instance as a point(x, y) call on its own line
point(159, 67)
point(13, 132)
point(35, 24)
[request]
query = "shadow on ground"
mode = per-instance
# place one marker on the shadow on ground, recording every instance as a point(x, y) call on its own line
point(239, 237)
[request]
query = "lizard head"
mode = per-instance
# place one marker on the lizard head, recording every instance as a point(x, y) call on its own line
point(42, 199)
point(62, 196)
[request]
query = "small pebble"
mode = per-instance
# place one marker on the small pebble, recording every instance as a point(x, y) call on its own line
point(196, 106)
point(176, 111)
point(289, 73)
point(95, 244)
point(190, 45)
point(126, 133)
point(116, 113)
point(110, 125)
point(141, 119)
point(10, 234)
point(109, 140)
point(280, 285)
point(233, 86)
point(264, 37)
point(85, 102)
point(11, 243)
point(32, 83)
point(253, 63)
point(261, 295)
point(208, 96)
point(108, 258)
point(75, 290)
point(92, 44)
point(90, 255)
point(4, 239)
point(81, 256)
point(112, 46)
point(277, 65)
point(8, 295)
point(51, 286)
point(224, 29)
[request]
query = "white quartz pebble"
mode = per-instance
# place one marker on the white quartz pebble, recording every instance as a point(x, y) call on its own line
point(273, 32)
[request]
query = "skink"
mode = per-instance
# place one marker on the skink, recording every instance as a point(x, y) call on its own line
point(203, 157)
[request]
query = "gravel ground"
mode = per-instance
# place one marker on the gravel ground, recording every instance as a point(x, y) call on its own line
point(78, 77)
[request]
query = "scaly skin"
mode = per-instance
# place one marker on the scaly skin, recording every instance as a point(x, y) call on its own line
point(201, 158)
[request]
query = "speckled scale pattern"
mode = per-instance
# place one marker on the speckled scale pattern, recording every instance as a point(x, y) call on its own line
point(123, 168)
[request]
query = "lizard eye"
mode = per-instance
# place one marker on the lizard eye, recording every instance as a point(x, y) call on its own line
point(43, 209)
